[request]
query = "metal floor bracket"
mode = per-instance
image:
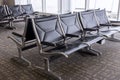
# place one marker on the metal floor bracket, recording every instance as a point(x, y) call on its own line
point(112, 38)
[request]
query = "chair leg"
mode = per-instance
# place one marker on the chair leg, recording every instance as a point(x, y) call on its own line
point(93, 51)
point(21, 60)
point(2, 25)
point(46, 71)
point(10, 26)
point(89, 50)
point(112, 38)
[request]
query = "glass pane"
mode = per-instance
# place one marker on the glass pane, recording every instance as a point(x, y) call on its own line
point(52, 6)
point(37, 5)
point(20, 2)
point(17, 2)
point(111, 6)
point(78, 5)
point(65, 6)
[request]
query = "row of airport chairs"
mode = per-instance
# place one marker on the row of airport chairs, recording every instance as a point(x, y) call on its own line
point(64, 35)
point(10, 14)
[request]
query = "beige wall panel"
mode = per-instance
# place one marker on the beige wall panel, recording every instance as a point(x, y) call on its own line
point(1, 1)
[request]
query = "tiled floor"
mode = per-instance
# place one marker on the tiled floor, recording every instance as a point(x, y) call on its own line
point(78, 66)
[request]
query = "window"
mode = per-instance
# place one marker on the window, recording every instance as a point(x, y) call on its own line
point(52, 6)
point(77, 5)
point(37, 5)
point(21, 2)
point(111, 6)
point(65, 6)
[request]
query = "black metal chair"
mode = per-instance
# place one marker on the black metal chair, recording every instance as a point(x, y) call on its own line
point(73, 28)
point(104, 23)
point(90, 23)
point(16, 12)
point(49, 32)
point(103, 20)
point(28, 9)
point(24, 42)
point(5, 18)
point(3, 13)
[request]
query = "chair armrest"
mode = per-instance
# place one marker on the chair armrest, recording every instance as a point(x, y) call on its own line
point(4, 17)
point(105, 24)
point(9, 15)
point(111, 24)
point(115, 21)
point(115, 24)
point(17, 34)
point(23, 13)
point(15, 40)
point(91, 29)
point(48, 43)
point(72, 35)
point(36, 12)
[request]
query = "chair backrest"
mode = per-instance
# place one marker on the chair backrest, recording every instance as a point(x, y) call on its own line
point(27, 9)
point(101, 16)
point(88, 19)
point(92, 9)
point(15, 10)
point(47, 29)
point(70, 23)
point(28, 31)
point(3, 12)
